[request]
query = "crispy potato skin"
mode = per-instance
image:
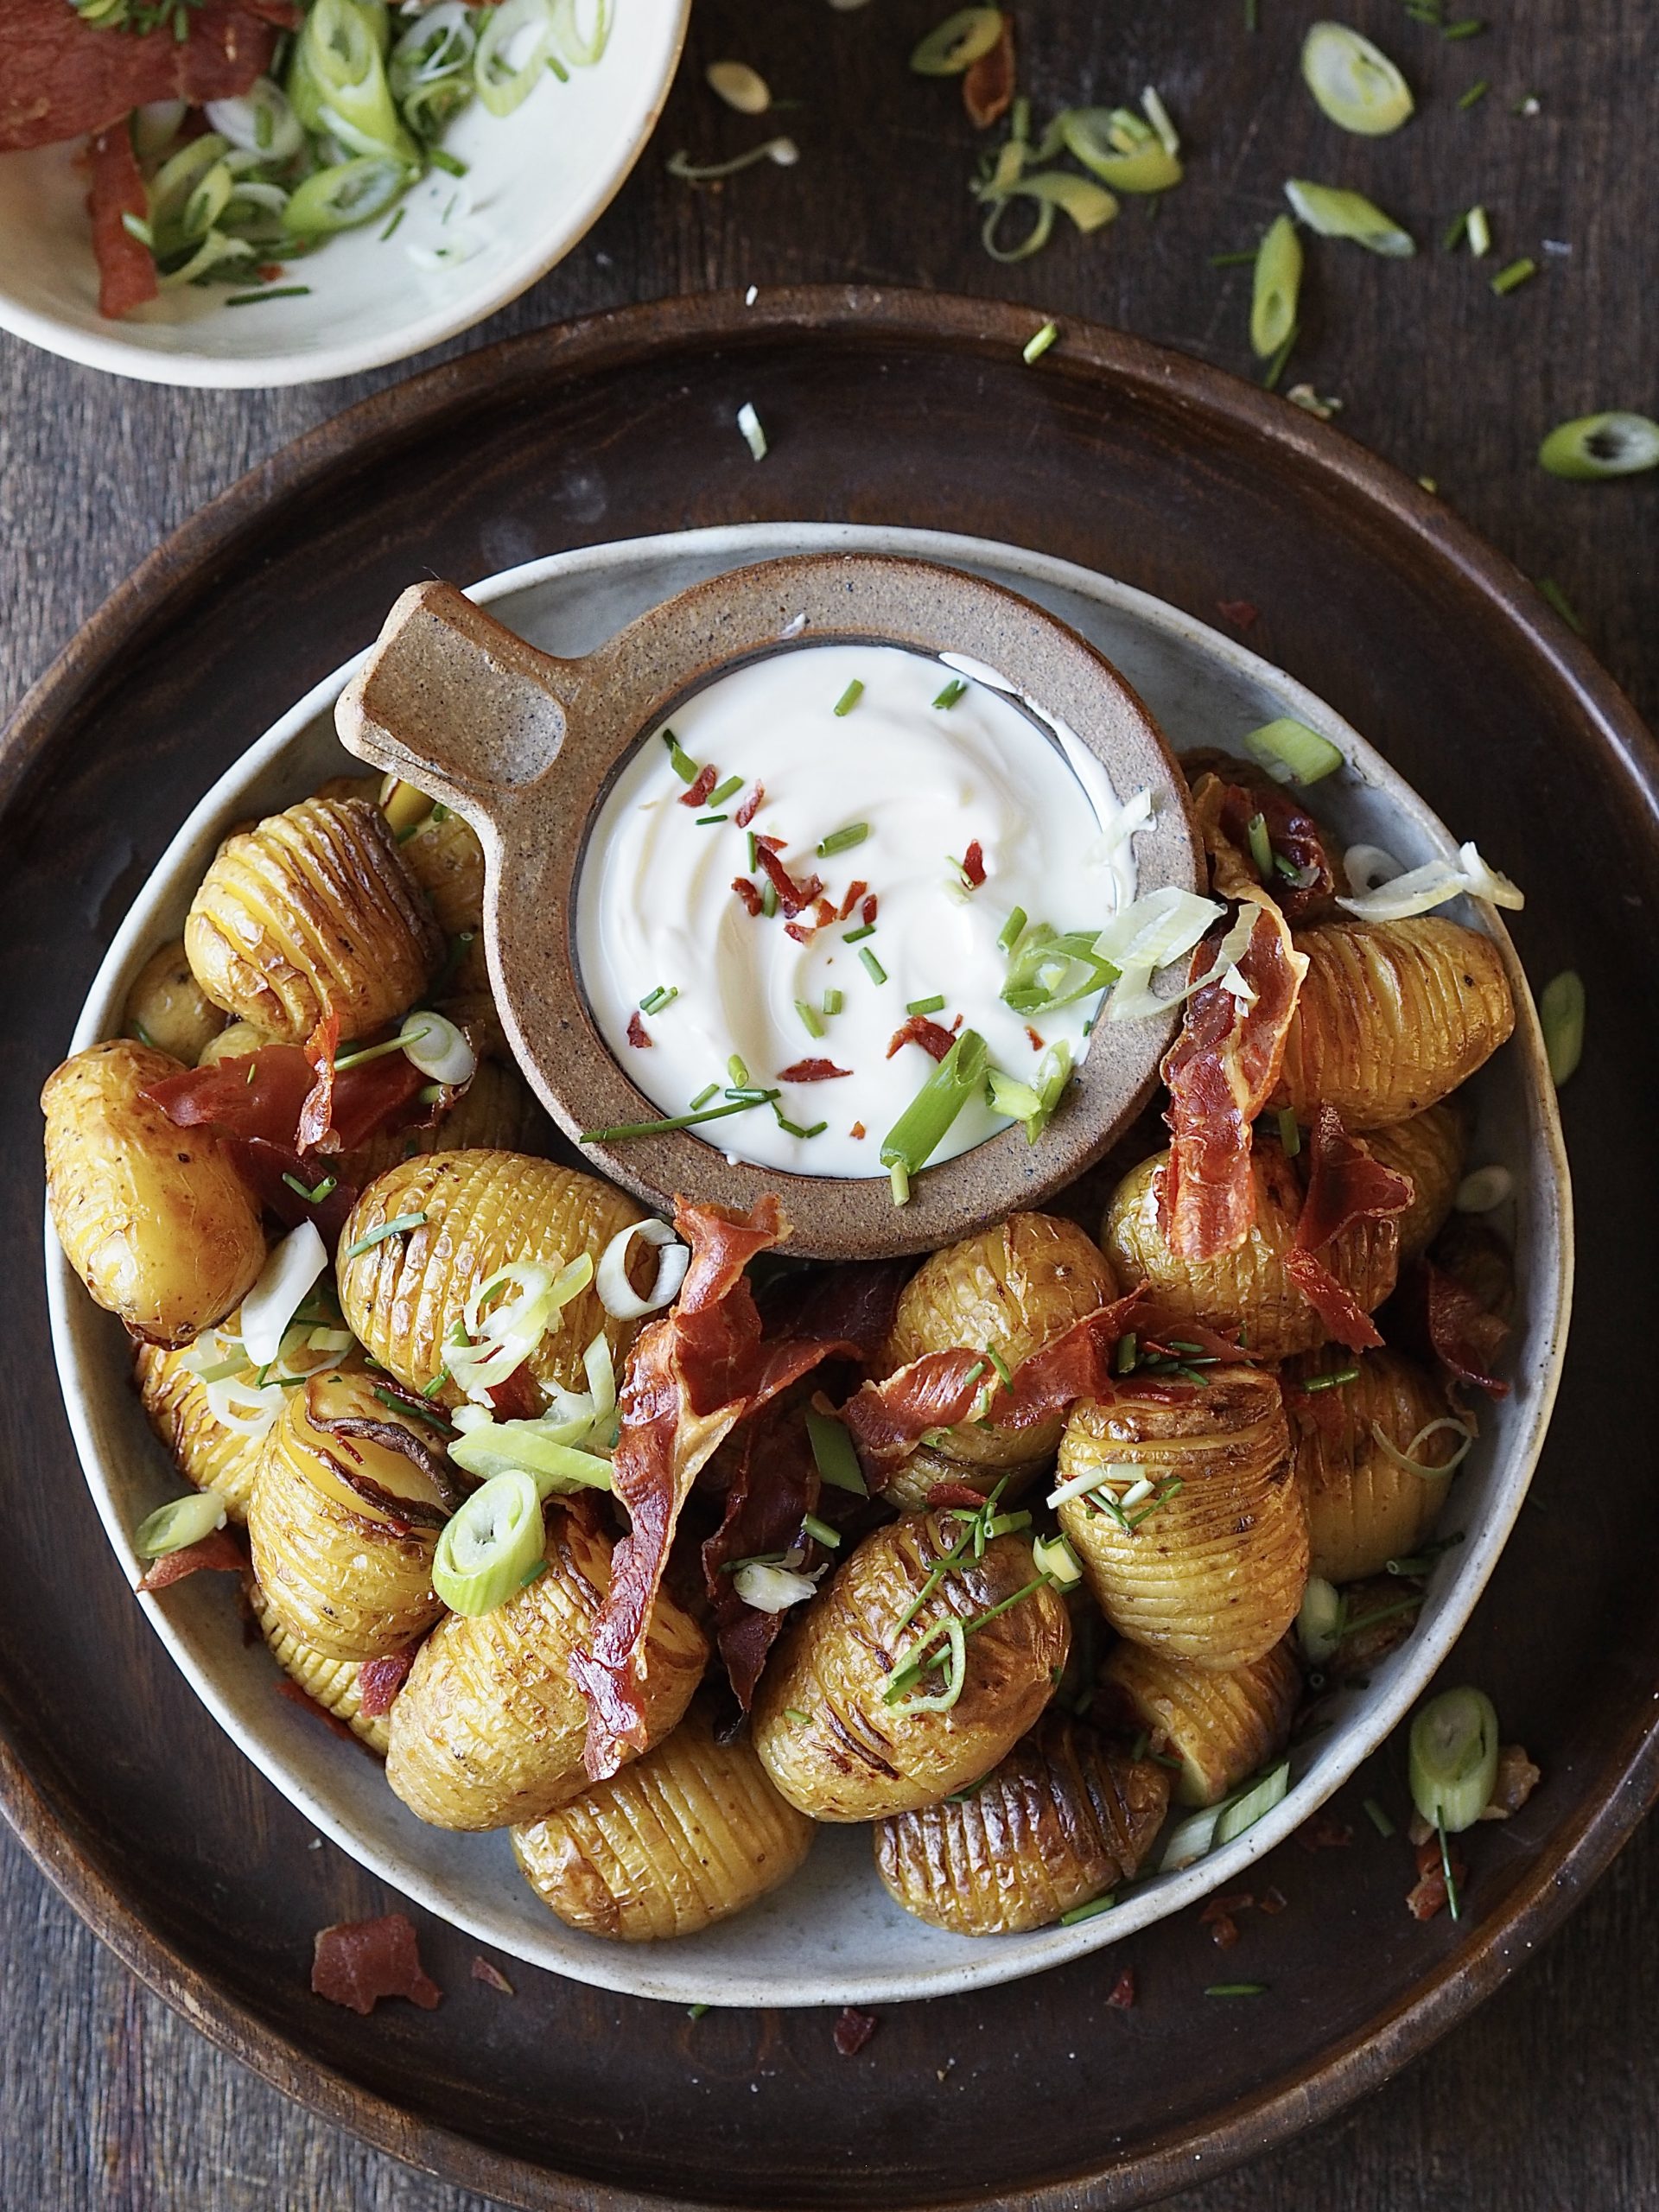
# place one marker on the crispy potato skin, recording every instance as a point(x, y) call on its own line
point(333, 1682)
point(1247, 1288)
point(312, 912)
point(1391, 1016)
point(1062, 1819)
point(166, 1007)
point(1430, 1148)
point(488, 1730)
point(1215, 1576)
point(1222, 1725)
point(1014, 1287)
point(855, 1757)
point(403, 1296)
point(496, 1112)
point(349, 1581)
point(1363, 1510)
point(687, 1835)
point(154, 1219)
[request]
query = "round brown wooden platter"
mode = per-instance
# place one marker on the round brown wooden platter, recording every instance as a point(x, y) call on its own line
point(906, 409)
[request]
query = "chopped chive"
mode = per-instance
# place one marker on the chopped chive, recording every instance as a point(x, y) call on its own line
point(624, 1130)
point(1517, 273)
point(1252, 18)
point(842, 840)
point(398, 214)
point(832, 1449)
point(1452, 237)
point(696, 2012)
point(1445, 1869)
point(1087, 1912)
point(400, 1405)
point(924, 1006)
point(432, 1388)
point(832, 1001)
point(379, 1236)
point(793, 1129)
point(1470, 27)
point(1123, 1359)
point(810, 1020)
point(703, 1097)
point(1275, 368)
point(1378, 1819)
point(1012, 930)
point(794, 1713)
point(271, 292)
point(850, 697)
point(1237, 1989)
point(680, 761)
point(873, 969)
point(1558, 599)
point(1036, 346)
point(704, 821)
point(1260, 850)
point(1004, 1371)
point(769, 900)
point(754, 853)
point(851, 937)
point(450, 162)
point(312, 1197)
point(1290, 1135)
point(953, 692)
point(820, 1531)
point(1477, 91)
point(1233, 260)
point(656, 1000)
point(1333, 1381)
point(722, 792)
point(737, 1072)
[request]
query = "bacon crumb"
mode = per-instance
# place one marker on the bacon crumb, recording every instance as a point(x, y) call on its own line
point(792, 896)
point(770, 845)
point(357, 1962)
point(825, 914)
point(973, 864)
point(858, 1129)
point(868, 910)
point(220, 1551)
point(1426, 1897)
point(802, 932)
point(747, 892)
point(636, 1032)
point(1037, 1042)
point(1273, 1900)
point(379, 1681)
point(750, 807)
point(708, 777)
point(1217, 1917)
point(854, 2030)
point(1121, 1998)
point(1239, 611)
point(855, 891)
point(491, 1975)
point(1324, 1832)
point(811, 1071)
point(918, 1030)
point(307, 1703)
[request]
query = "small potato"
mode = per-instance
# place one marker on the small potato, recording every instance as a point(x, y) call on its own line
point(347, 1502)
point(332, 1682)
point(1391, 1016)
point(496, 1112)
point(1430, 1149)
point(1222, 1726)
point(488, 1730)
point(309, 913)
point(687, 1835)
point(234, 1042)
point(1246, 1289)
point(910, 1485)
point(155, 1219)
point(1011, 1289)
point(821, 1724)
point(1363, 1509)
point(206, 1450)
point(166, 1007)
point(363, 787)
point(445, 858)
point(1215, 1573)
point(478, 1211)
point(1062, 1819)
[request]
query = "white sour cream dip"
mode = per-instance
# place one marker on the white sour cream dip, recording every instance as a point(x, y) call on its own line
point(656, 913)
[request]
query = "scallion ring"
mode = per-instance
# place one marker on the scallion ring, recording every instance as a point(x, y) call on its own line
point(741, 87)
point(437, 1048)
point(1593, 447)
point(1320, 1622)
point(185, 1521)
point(1484, 1189)
point(350, 193)
point(1278, 281)
point(956, 43)
point(922, 1661)
point(1245, 1810)
point(1408, 1460)
point(1291, 752)
point(489, 1547)
point(1561, 1015)
point(1353, 82)
point(511, 55)
point(1454, 1748)
point(617, 1295)
point(1117, 147)
point(259, 120)
point(1336, 213)
point(583, 50)
point(288, 1272)
point(1089, 205)
point(337, 65)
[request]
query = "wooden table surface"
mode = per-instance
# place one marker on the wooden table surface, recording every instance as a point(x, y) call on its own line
point(1548, 2097)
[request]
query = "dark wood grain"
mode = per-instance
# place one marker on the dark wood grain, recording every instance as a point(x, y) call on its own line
point(1547, 2098)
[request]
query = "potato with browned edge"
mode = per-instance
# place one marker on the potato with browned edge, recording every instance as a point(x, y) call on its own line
point(1391, 1017)
point(685, 1836)
point(1246, 1290)
point(1364, 1508)
point(1220, 1725)
point(1063, 1819)
point(312, 912)
point(155, 1219)
point(1192, 1536)
point(830, 1721)
point(348, 1501)
point(206, 1451)
point(1430, 1149)
point(334, 1684)
point(166, 1007)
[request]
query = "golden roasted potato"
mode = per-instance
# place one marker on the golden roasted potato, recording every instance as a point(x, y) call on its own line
point(166, 1007)
point(1429, 1149)
point(1247, 1289)
point(347, 1502)
point(234, 1042)
point(206, 1450)
point(1222, 1726)
point(332, 1682)
point(496, 1112)
point(1213, 1574)
point(488, 1730)
point(363, 787)
point(909, 1485)
point(1362, 1509)
point(155, 1219)
point(477, 1210)
point(445, 858)
point(823, 1725)
point(312, 912)
point(1391, 1016)
point(1011, 1289)
point(689, 1835)
point(1063, 1819)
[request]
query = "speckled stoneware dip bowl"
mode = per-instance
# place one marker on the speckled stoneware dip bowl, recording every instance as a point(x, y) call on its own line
point(526, 747)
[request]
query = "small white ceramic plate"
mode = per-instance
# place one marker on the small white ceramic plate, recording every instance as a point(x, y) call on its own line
point(832, 1935)
point(536, 182)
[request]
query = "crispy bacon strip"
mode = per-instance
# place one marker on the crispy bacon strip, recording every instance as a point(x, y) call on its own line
point(220, 1551)
point(357, 1962)
point(286, 1096)
point(1345, 1186)
point(126, 267)
point(1443, 1318)
point(792, 897)
point(973, 864)
point(771, 1484)
point(262, 1166)
point(63, 75)
point(747, 892)
point(918, 1030)
point(1225, 798)
point(853, 1303)
point(379, 1681)
point(811, 1071)
point(750, 807)
point(707, 778)
point(1220, 1071)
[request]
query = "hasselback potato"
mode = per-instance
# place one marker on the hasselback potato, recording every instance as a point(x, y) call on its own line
point(166, 1007)
point(1429, 1149)
point(348, 1499)
point(910, 1485)
point(312, 912)
point(206, 1450)
point(690, 1833)
point(1011, 1289)
point(445, 858)
point(477, 1212)
point(234, 1042)
point(1220, 1725)
point(488, 1730)
point(333, 1683)
point(1247, 1289)
point(155, 1219)
point(496, 1112)
point(1062, 1819)
point(831, 1740)
point(1391, 1016)
point(1214, 1571)
point(1362, 1509)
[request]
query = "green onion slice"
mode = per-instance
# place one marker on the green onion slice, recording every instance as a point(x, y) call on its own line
point(1353, 82)
point(922, 1128)
point(1320, 1622)
point(1089, 205)
point(1454, 1748)
point(531, 1448)
point(1245, 1810)
point(1336, 213)
point(490, 1547)
point(337, 83)
point(922, 1661)
point(1278, 282)
point(513, 49)
point(1047, 972)
point(351, 193)
point(832, 1448)
point(1115, 145)
point(956, 43)
point(1055, 1558)
point(185, 1521)
point(1292, 753)
point(1079, 1912)
point(1592, 448)
point(1032, 1103)
point(1561, 1015)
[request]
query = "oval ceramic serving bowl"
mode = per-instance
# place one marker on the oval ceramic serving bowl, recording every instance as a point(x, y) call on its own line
point(536, 182)
point(832, 1935)
point(526, 746)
